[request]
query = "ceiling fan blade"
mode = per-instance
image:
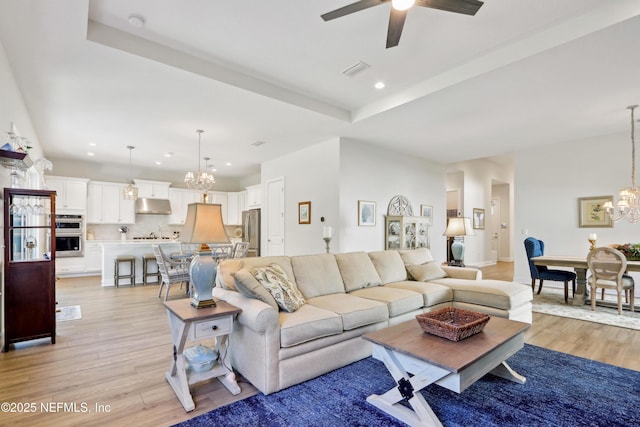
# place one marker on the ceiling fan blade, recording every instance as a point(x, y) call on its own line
point(396, 23)
point(352, 8)
point(467, 7)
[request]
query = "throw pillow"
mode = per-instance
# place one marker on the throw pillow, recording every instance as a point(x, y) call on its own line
point(415, 256)
point(248, 286)
point(278, 284)
point(426, 272)
point(226, 270)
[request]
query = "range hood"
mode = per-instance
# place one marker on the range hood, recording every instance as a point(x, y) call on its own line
point(145, 205)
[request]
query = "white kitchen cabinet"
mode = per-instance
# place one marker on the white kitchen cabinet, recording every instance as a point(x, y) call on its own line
point(72, 266)
point(236, 203)
point(71, 193)
point(220, 198)
point(107, 206)
point(180, 199)
point(92, 257)
point(152, 189)
point(254, 196)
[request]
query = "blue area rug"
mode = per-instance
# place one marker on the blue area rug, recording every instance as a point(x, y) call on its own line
point(561, 390)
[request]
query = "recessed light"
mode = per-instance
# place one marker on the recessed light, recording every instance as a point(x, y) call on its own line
point(228, 163)
point(379, 85)
point(90, 154)
point(92, 144)
point(159, 163)
point(168, 155)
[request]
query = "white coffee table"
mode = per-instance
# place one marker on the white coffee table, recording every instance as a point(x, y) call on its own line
point(405, 349)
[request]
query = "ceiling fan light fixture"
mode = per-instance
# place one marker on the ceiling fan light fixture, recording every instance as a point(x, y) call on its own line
point(402, 4)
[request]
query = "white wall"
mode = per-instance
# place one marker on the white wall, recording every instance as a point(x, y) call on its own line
point(478, 178)
point(549, 181)
point(14, 114)
point(311, 174)
point(374, 174)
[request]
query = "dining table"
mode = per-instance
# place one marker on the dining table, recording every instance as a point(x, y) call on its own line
point(579, 265)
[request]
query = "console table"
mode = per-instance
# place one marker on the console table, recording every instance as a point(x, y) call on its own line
point(191, 324)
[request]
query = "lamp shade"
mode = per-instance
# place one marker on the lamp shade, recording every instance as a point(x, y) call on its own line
point(459, 226)
point(204, 224)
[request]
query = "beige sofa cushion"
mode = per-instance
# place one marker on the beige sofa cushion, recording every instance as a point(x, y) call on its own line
point(307, 324)
point(399, 301)
point(317, 275)
point(355, 311)
point(357, 271)
point(415, 256)
point(248, 286)
point(432, 293)
point(426, 272)
point(389, 266)
point(491, 293)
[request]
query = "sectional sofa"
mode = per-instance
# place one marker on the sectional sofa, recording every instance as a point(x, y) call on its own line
point(344, 296)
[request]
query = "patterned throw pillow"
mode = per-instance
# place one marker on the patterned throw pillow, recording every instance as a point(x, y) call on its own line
point(285, 293)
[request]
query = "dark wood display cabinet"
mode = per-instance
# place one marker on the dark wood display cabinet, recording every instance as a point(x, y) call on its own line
point(28, 295)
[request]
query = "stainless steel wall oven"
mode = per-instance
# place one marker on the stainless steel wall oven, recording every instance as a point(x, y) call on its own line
point(69, 235)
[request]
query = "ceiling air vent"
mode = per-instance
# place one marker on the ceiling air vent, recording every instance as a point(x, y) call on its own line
point(356, 68)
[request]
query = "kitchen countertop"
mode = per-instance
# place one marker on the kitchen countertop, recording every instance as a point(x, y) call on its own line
point(132, 241)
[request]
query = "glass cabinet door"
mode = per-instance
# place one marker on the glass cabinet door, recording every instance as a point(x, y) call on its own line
point(29, 228)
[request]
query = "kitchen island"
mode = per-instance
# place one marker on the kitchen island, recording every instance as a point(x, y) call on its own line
point(113, 248)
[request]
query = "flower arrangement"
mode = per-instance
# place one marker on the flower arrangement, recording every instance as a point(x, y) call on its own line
point(630, 250)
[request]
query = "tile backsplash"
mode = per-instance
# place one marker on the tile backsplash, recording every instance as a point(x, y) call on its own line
point(144, 227)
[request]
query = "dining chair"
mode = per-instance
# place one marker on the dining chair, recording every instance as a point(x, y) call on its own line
point(240, 249)
point(534, 248)
point(607, 267)
point(220, 251)
point(171, 270)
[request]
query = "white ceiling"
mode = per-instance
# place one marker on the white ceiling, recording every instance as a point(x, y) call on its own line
point(518, 74)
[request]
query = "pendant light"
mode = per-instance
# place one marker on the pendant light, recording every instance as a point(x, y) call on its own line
point(130, 192)
point(628, 206)
point(202, 180)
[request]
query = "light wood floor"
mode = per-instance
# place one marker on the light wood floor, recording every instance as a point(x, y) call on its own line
point(117, 354)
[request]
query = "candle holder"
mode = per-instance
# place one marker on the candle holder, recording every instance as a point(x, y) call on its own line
point(593, 244)
point(327, 242)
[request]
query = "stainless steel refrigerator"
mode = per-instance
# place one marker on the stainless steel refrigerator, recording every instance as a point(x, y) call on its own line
point(251, 230)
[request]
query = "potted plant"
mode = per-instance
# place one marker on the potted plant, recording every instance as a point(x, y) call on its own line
point(630, 250)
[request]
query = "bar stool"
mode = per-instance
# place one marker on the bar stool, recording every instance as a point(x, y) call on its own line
point(146, 258)
point(132, 269)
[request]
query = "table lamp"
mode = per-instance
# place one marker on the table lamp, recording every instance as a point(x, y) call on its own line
point(203, 225)
point(456, 229)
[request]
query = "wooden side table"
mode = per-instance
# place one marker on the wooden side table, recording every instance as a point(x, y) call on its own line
point(189, 323)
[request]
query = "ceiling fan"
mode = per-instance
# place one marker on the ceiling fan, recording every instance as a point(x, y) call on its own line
point(399, 12)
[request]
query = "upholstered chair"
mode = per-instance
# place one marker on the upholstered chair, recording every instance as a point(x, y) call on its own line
point(534, 248)
point(607, 267)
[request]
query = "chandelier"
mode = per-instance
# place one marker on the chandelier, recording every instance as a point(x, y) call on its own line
point(628, 206)
point(130, 192)
point(201, 180)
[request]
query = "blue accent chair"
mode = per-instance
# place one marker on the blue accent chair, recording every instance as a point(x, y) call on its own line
point(534, 248)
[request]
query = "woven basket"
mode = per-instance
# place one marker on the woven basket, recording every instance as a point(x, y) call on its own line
point(454, 324)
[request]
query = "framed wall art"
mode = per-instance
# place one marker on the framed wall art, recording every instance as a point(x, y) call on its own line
point(366, 213)
point(304, 213)
point(592, 213)
point(478, 219)
point(426, 210)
